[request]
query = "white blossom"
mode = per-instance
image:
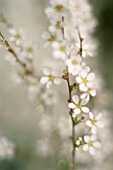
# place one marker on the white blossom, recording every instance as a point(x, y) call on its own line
point(6, 148)
point(94, 122)
point(90, 144)
point(50, 78)
point(78, 106)
point(86, 81)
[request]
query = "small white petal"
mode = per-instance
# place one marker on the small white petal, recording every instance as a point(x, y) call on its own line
point(93, 93)
point(49, 84)
point(88, 123)
point(44, 80)
point(57, 81)
point(86, 138)
point(84, 102)
point(91, 115)
point(92, 150)
point(99, 124)
point(85, 109)
point(99, 116)
point(83, 74)
point(91, 76)
point(83, 95)
point(85, 147)
point(75, 99)
point(46, 71)
point(94, 130)
point(83, 87)
point(78, 79)
point(77, 111)
point(97, 144)
point(71, 105)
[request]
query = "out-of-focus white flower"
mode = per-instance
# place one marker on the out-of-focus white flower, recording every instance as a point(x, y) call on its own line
point(6, 148)
point(16, 36)
point(28, 50)
point(50, 77)
point(85, 81)
point(94, 122)
point(91, 144)
point(49, 97)
point(87, 94)
point(77, 7)
point(59, 50)
point(56, 25)
point(73, 64)
point(51, 37)
point(85, 49)
point(43, 147)
point(78, 106)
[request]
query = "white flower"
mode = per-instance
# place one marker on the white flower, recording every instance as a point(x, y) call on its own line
point(28, 50)
point(16, 36)
point(59, 50)
point(56, 25)
point(50, 78)
point(77, 7)
point(49, 97)
point(85, 80)
point(87, 94)
point(94, 122)
point(78, 106)
point(73, 64)
point(57, 9)
point(51, 37)
point(6, 148)
point(91, 144)
point(85, 49)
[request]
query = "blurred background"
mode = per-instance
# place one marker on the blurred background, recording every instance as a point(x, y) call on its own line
point(18, 115)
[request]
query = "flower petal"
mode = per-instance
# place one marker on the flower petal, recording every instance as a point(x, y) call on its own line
point(71, 105)
point(77, 111)
point(88, 123)
point(85, 109)
point(75, 99)
point(44, 80)
point(91, 76)
point(85, 147)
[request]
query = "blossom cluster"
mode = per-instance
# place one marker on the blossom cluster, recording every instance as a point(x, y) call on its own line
point(71, 24)
point(6, 148)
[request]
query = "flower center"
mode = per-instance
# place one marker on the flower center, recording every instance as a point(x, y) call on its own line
point(59, 8)
point(93, 121)
point(58, 25)
point(29, 50)
point(74, 62)
point(52, 38)
point(51, 77)
point(18, 36)
point(90, 143)
point(78, 106)
point(62, 48)
point(84, 80)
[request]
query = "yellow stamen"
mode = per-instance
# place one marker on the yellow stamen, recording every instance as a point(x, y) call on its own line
point(29, 49)
point(93, 121)
point(74, 62)
point(78, 106)
point(58, 25)
point(51, 77)
point(52, 38)
point(62, 48)
point(90, 143)
point(18, 36)
point(84, 80)
point(59, 8)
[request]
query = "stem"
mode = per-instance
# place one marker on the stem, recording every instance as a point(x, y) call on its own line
point(73, 125)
